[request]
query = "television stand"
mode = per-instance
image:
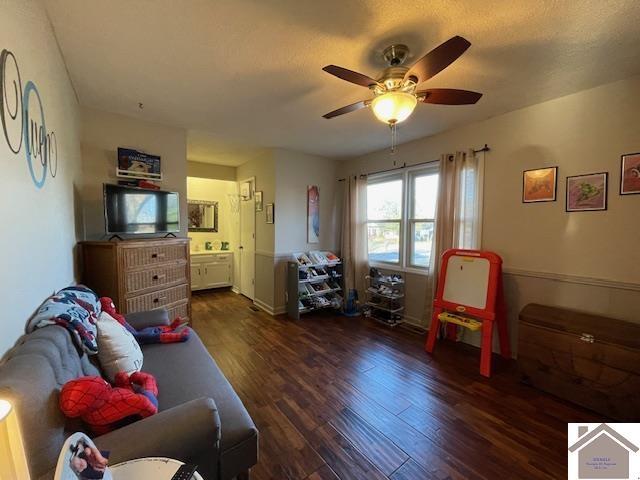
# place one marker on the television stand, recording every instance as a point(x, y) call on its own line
point(170, 235)
point(118, 237)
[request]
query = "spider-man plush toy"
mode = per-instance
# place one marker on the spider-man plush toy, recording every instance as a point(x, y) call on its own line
point(105, 408)
point(163, 334)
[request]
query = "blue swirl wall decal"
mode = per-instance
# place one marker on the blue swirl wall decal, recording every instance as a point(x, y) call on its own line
point(20, 127)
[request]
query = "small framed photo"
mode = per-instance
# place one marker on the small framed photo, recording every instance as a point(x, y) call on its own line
point(259, 206)
point(540, 185)
point(245, 191)
point(630, 174)
point(270, 213)
point(587, 192)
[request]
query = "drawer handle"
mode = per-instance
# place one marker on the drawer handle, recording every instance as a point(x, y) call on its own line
point(158, 255)
point(158, 277)
point(587, 337)
point(157, 300)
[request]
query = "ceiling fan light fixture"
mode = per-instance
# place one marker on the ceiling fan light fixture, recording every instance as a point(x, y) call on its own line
point(393, 107)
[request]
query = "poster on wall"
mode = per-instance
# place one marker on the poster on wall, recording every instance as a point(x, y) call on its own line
point(135, 164)
point(313, 214)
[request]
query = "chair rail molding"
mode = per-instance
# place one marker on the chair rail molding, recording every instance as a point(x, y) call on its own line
point(576, 279)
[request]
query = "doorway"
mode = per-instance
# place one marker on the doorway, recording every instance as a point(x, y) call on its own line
point(247, 247)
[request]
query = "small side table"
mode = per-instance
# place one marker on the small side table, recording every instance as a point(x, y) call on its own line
point(158, 468)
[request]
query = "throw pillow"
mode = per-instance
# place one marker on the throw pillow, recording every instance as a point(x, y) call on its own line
point(118, 350)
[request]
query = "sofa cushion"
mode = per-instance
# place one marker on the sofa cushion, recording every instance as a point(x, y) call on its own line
point(185, 371)
point(31, 375)
point(118, 350)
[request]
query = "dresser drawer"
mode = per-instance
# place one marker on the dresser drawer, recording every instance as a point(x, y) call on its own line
point(180, 310)
point(141, 281)
point(152, 255)
point(157, 299)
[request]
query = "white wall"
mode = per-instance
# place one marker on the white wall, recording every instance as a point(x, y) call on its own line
point(102, 134)
point(39, 225)
point(228, 221)
point(585, 260)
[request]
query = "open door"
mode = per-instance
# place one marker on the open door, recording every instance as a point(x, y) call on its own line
point(247, 248)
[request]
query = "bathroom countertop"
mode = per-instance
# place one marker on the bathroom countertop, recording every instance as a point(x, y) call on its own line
point(209, 252)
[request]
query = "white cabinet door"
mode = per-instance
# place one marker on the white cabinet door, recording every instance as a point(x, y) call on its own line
point(216, 274)
point(197, 276)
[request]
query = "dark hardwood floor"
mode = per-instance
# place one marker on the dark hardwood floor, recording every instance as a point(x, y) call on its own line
point(344, 398)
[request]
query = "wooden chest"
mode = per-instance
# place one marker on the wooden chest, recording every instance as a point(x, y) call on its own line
point(140, 275)
point(586, 359)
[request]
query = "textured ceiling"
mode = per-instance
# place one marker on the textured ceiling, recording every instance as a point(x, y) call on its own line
point(242, 75)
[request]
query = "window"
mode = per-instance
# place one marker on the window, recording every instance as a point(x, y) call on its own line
point(400, 217)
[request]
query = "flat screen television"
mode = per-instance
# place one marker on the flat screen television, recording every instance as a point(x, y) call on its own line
point(138, 211)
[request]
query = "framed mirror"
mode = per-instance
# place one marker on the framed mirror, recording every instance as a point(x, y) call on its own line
point(203, 216)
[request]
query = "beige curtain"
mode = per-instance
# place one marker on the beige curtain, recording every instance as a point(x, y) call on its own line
point(458, 222)
point(354, 234)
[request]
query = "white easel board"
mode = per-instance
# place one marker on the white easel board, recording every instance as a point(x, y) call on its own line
point(467, 281)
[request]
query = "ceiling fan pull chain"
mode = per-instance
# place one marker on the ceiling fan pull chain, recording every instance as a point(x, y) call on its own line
point(394, 137)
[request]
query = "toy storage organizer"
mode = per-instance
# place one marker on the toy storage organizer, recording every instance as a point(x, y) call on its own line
point(314, 282)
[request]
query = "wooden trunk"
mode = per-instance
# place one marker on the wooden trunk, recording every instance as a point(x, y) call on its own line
point(140, 274)
point(586, 359)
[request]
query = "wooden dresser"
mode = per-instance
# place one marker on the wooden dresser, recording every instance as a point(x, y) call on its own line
point(140, 275)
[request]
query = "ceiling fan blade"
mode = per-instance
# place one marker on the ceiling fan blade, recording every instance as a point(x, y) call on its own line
point(438, 59)
point(350, 76)
point(448, 96)
point(349, 108)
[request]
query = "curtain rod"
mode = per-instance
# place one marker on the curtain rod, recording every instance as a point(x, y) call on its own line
point(404, 165)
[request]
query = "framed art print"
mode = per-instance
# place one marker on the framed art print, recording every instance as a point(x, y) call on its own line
point(587, 192)
point(269, 212)
point(245, 191)
point(630, 174)
point(313, 214)
point(540, 185)
point(258, 197)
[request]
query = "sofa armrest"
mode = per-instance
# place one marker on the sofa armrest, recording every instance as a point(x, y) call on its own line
point(184, 433)
point(150, 318)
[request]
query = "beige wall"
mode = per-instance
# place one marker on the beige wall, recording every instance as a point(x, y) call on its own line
point(102, 134)
point(209, 170)
point(580, 133)
point(39, 225)
point(262, 168)
point(228, 221)
point(294, 172)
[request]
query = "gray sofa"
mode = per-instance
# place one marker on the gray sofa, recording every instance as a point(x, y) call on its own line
point(200, 420)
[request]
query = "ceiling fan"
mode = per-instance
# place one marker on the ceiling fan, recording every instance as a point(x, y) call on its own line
point(395, 91)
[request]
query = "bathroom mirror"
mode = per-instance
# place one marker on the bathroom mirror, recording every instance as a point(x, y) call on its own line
point(203, 216)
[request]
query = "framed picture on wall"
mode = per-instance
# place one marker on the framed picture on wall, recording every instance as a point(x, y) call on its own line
point(540, 185)
point(245, 191)
point(313, 214)
point(270, 210)
point(630, 174)
point(587, 192)
point(259, 206)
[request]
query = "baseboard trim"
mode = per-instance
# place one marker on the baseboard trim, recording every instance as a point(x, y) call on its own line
point(270, 309)
point(575, 279)
point(235, 289)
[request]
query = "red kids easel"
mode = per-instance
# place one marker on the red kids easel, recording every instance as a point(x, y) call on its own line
point(470, 294)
